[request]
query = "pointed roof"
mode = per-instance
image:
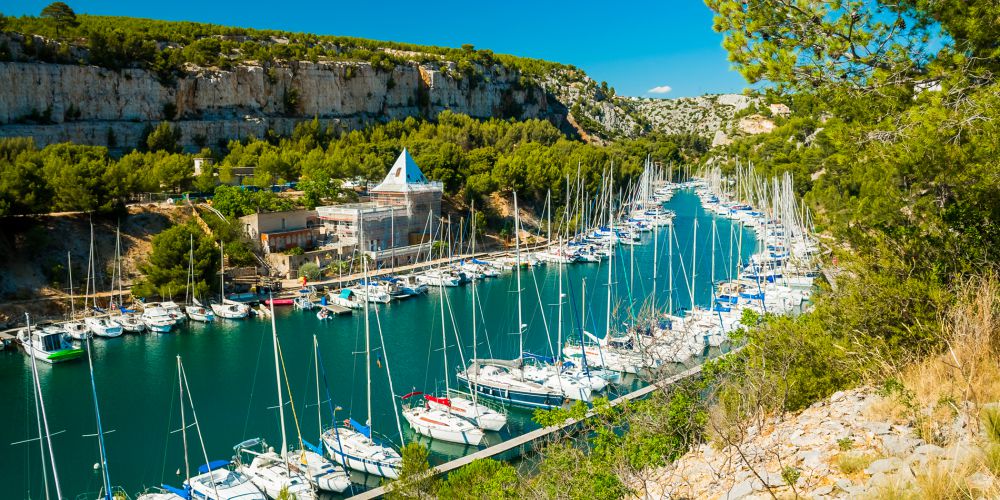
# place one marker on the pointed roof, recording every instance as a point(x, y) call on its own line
point(404, 176)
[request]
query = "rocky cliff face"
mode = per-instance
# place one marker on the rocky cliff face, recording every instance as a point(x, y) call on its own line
point(92, 105)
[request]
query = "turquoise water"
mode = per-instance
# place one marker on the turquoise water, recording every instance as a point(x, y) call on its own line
point(230, 367)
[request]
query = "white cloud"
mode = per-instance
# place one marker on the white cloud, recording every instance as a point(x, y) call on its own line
point(662, 89)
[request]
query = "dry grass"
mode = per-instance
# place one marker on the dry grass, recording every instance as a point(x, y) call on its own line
point(852, 463)
point(887, 409)
point(945, 480)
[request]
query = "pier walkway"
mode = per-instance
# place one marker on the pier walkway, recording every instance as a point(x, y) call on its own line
point(528, 439)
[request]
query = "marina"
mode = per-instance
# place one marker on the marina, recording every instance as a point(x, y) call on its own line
point(227, 361)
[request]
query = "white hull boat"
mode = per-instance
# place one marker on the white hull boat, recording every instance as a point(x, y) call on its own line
point(76, 330)
point(48, 347)
point(483, 416)
point(130, 323)
point(103, 327)
point(157, 320)
point(200, 314)
point(357, 451)
point(231, 310)
point(440, 423)
point(321, 472)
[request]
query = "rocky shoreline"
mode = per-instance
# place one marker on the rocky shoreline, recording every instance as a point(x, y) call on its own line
point(843, 447)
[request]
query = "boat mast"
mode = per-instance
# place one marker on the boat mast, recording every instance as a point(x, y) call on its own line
point(277, 378)
point(190, 276)
point(41, 403)
point(612, 243)
point(319, 400)
point(184, 437)
point(444, 338)
point(222, 272)
point(714, 236)
point(91, 286)
point(694, 262)
point(559, 326)
point(475, 347)
point(368, 347)
point(517, 271)
point(670, 267)
point(105, 475)
point(69, 269)
point(656, 232)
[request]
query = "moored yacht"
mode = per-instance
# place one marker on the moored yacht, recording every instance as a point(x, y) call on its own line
point(103, 327)
point(47, 347)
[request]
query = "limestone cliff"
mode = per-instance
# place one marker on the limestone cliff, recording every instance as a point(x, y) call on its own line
point(95, 105)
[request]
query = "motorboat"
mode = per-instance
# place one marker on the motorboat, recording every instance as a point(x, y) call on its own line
point(323, 474)
point(157, 320)
point(47, 347)
point(130, 322)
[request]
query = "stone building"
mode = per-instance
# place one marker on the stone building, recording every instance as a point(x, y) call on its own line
point(281, 231)
point(404, 209)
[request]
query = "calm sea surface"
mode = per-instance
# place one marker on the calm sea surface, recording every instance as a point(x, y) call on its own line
point(230, 366)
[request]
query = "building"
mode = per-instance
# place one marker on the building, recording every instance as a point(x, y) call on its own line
point(282, 231)
point(403, 211)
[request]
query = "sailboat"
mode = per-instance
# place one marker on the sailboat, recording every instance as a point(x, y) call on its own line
point(438, 421)
point(215, 480)
point(76, 330)
point(129, 320)
point(227, 309)
point(505, 380)
point(309, 460)
point(483, 416)
point(107, 492)
point(353, 444)
point(98, 325)
point(269, 470)
point(193, 307)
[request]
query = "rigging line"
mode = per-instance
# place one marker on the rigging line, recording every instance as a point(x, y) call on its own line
point(170, 413)
point(388, 375)
point(541, 309)
point(253, 386)
point(486, 333)
point(291, 401)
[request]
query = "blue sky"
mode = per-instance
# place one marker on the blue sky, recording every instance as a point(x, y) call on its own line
point(634, 46)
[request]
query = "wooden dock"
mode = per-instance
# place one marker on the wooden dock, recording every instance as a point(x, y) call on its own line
point(529, 438)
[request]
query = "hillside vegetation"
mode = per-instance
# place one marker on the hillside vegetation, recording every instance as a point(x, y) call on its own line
point(893, 143)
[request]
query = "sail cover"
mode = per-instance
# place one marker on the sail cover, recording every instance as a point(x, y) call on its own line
point(538, 357)
point(363, 429)
point(213, 465)
point(440, 401)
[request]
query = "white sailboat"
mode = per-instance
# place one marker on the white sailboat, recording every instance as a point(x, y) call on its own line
point(193, 307)
point(506, 380)
point(483, 416)
point(438, 421)
point(215, 480)
point(269, 470)
point(129, 320)
point(227, 309)
point(76, 330)
point(324, 474)
point(353, 444)
point(98, 325)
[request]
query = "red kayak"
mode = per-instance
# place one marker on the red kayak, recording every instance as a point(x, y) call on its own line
point(279, 302)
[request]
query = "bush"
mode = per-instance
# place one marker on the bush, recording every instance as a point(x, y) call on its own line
point(310, 271)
